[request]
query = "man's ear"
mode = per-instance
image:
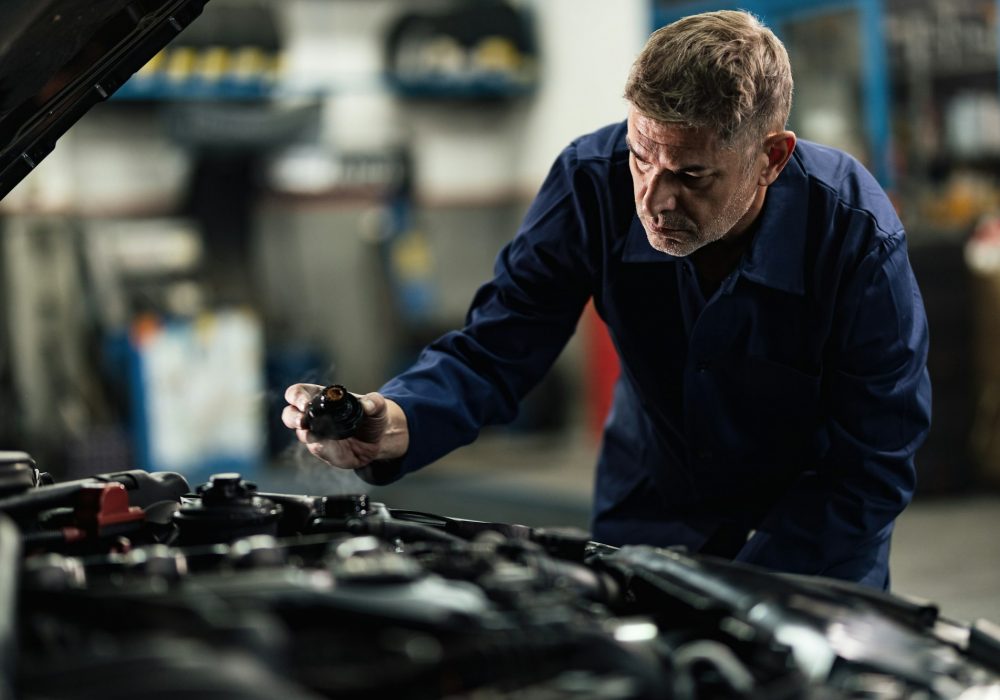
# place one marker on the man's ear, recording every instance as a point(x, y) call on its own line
point(778, 148)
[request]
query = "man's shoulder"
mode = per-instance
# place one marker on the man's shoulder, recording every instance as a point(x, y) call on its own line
point(843, 175)
point(601, 158)
point(843, 181)
point(826, 161)
point(605, 145)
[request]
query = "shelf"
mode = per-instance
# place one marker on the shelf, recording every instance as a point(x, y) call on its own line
point(476, 87)
point(161, 88)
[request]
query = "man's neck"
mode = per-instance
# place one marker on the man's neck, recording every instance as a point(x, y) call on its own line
point(716, 260)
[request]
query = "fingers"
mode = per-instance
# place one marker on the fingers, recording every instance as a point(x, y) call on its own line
point(292, 417)
point(299, 395)
point(344, 454)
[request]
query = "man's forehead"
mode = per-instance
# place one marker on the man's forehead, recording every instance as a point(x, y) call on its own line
point(661, 137)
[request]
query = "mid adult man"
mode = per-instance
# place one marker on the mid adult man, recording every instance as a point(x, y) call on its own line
point(771, 334)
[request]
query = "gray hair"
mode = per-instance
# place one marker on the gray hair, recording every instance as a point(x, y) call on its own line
point(724, 71)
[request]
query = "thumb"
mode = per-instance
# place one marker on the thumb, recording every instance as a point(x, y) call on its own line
point(376, 417)
point(373, 404)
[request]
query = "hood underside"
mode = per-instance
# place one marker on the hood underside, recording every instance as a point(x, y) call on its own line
point(58, 58)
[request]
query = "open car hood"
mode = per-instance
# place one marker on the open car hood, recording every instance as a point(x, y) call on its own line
point(58, 58)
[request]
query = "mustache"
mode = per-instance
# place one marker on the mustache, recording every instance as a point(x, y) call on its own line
point(670, 220)
point(665, 219)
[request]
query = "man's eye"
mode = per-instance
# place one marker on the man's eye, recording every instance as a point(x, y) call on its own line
point(693, 182)
point(640, 164)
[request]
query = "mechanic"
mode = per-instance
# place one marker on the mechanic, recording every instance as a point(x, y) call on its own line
point(770, 331)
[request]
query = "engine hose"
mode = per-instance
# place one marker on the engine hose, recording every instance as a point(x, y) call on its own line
point(719, 657)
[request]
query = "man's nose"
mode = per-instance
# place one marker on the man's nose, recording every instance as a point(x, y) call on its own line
point(660, 194)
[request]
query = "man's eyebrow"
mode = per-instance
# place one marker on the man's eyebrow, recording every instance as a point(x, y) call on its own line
point(629, 146)
point(693, 169)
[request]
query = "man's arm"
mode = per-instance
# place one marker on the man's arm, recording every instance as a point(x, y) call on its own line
point(877, 396)
point(517, 325)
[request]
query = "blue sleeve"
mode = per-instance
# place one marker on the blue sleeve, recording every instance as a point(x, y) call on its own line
point(517, 325)
point(836, 520)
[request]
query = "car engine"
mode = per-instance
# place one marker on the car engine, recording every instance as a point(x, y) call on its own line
point(132, 584)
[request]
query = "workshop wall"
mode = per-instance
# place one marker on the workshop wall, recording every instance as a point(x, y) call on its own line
point(462, 150)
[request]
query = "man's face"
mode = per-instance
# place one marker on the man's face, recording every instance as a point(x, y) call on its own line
point(689, 191)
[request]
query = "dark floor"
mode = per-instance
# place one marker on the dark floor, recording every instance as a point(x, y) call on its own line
point(946, 550)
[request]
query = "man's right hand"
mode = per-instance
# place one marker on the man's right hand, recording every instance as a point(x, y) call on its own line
point(382, 435)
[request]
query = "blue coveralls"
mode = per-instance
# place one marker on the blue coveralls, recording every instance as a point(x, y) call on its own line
point(789, 404)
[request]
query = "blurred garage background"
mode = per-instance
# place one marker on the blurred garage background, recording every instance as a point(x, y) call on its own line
point(310, 190)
